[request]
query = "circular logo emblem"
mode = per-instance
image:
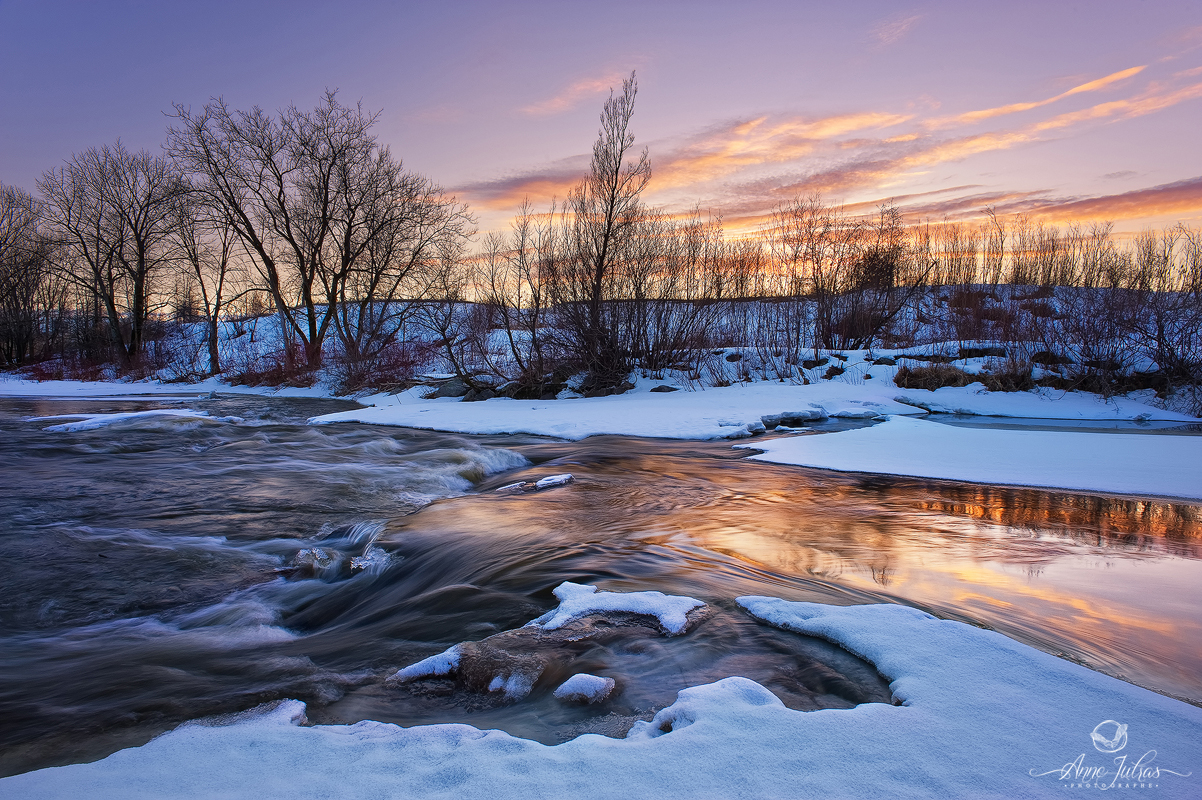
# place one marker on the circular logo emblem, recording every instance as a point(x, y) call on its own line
point(1107, 739)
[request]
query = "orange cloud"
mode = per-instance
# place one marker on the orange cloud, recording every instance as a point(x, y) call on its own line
point(571, 95)
point(1166, 200)
point(767, 159)
point(759, 142)
point(1152, 100)
point(988, 113)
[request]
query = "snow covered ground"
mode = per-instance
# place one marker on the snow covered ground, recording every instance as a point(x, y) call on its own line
point(1119, 463)
point(729, 412)
point(981, 716)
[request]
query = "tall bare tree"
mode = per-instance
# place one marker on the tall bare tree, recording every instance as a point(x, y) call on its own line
point(602, 215)
point(114, 214)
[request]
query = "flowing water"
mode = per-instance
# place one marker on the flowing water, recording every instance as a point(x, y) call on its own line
point(167, 568)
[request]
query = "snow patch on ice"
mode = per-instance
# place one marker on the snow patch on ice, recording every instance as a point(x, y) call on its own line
point(578, 600)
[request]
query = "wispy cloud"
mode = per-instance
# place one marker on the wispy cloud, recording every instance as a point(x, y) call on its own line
point(894, 29)
point(971, 117)
point(742, 168)
point(1168, 199)
point(570, 96)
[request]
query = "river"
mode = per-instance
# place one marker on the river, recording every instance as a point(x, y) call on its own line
point(169, 568)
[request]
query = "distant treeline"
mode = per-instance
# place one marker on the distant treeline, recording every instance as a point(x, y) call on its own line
point(141, 263)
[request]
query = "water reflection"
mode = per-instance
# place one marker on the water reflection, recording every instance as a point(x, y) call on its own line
point(1115, 583)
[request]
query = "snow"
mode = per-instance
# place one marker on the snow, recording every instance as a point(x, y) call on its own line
point(577, 600)
point(585, 688)
point(1122, 463)
point(515, 686)
point(88, 422)
point(443, 663)
point(730, 412)
point(982, 716)
point(554, 480)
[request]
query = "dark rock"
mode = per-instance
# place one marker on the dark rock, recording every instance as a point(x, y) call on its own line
point(475, 395)
point(1104, 365)
point(831, 372)
point(982, 352)
point(665, 388)
point(733, 357)
point(455, 387)
point(885, 361)
point(1048, 359)
point(935, 359)
point(810, 363)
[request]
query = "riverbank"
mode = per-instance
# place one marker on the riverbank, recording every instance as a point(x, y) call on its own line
point(1153, 466)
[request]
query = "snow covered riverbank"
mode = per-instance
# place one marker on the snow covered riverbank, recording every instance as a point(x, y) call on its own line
point(980, 716)
point(1162, 466)
point(729, 412)
point(1139, 464)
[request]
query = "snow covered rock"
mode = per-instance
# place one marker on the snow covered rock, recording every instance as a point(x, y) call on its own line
point(578, 600)
point(585, 688)
point(552, 481)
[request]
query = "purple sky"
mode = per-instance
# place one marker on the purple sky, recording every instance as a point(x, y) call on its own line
point(1085, 110)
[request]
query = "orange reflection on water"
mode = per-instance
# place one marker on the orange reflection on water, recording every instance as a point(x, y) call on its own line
point(1115, 583)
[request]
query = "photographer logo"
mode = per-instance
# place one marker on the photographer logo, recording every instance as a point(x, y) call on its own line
point(1125, 771)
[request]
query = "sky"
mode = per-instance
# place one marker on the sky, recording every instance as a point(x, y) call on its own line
point(1068, 111)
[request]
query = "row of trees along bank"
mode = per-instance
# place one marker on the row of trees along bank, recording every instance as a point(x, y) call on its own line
point(145, 263)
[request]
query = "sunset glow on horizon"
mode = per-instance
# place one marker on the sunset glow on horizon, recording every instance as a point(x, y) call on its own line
point(1061, 112)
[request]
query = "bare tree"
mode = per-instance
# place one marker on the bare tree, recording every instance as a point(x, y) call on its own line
point(327, 214)
point(25, 278)
point(602, 215)
point(207, 250)
point(113, 212)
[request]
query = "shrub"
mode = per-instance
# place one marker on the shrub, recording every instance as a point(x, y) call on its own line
point(932, 377)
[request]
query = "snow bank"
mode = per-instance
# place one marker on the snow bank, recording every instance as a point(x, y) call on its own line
point(585, 688)
point(577, 600)
point(983, 717)
point(730, 412)
point(1142, 464)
